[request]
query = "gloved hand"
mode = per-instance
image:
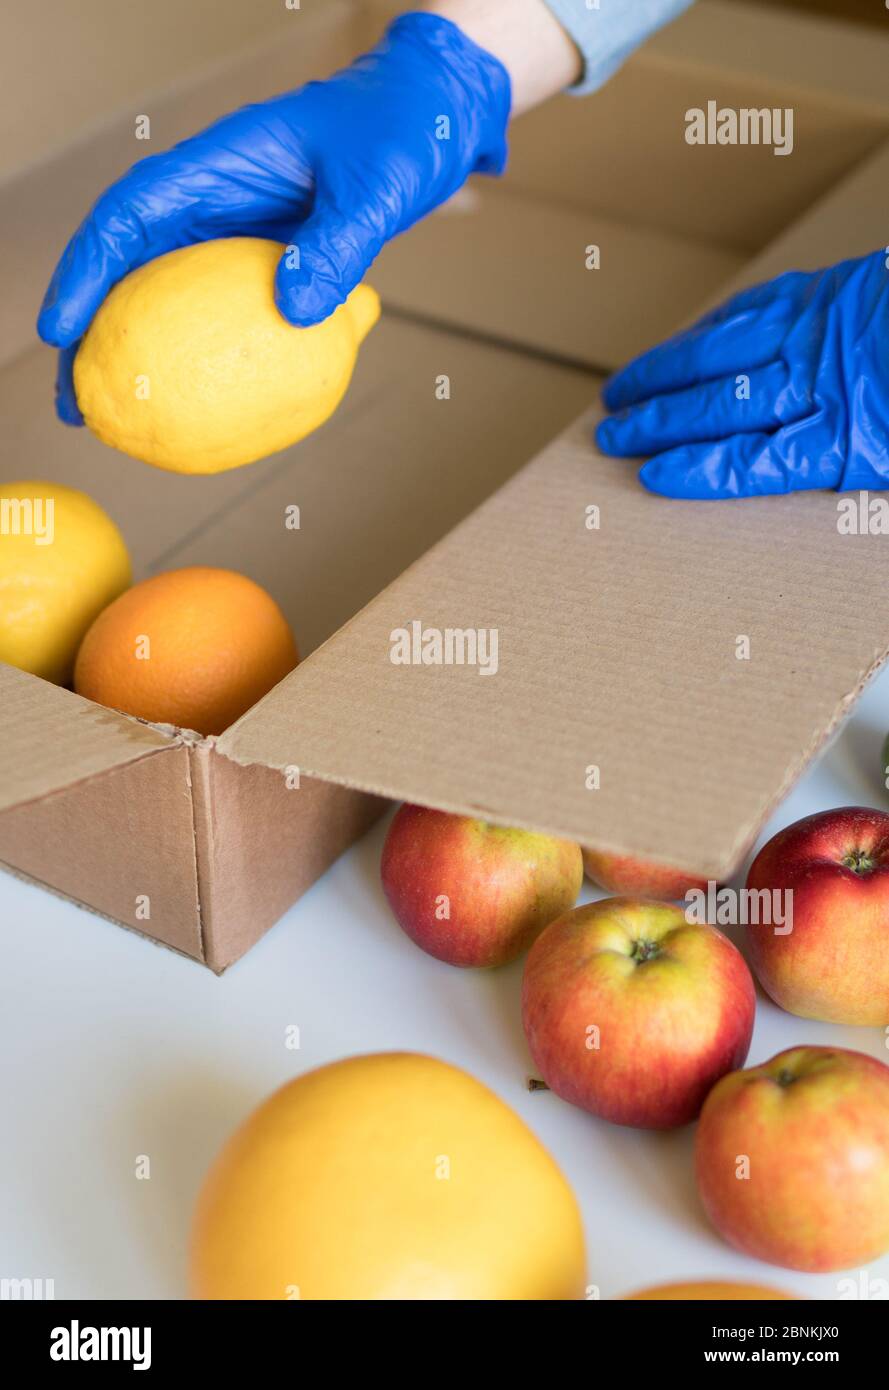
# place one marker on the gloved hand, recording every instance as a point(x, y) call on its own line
point(784, 387)
point(335, 168)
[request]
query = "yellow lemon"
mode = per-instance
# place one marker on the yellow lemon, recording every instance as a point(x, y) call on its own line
point(390, 1176)
point(62, 560)
point(188, 364)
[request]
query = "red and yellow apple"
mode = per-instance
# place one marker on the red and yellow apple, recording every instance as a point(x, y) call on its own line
point(633, 1013)
point(472, 893)
point(715, 1292)
point(833, 964)
point(792, 1159)
point(627, 876)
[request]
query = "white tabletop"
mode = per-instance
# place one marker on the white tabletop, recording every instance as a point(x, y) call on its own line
point(114, 1048)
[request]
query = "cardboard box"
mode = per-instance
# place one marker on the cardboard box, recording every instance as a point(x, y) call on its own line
point(617, 645)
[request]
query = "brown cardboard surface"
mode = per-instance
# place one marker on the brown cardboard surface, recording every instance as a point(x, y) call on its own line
point(860, 11)
point(262, 841)
point(849, 220)
point(528, 281)
point(117, 841)
point(101, 55)
point(616, 649)
point(394, 471)
point(809, 51)
point(621, 151)
point(53, 738)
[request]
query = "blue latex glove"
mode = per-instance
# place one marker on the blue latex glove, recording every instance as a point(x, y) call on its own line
point(335, 168)
point(815, 350)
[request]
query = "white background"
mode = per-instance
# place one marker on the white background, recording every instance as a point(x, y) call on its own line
point(113, 1047)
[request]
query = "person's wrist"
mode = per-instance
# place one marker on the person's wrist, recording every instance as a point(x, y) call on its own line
point(475, 82)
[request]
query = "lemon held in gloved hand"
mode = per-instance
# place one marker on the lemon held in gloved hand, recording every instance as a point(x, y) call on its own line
point(337, 168)
point(188, 364)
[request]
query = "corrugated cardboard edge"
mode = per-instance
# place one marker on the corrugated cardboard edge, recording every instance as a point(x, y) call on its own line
point(202, 766)
point(722, 871)
point(120, 840)
point(200, 796)
point(97, 739)
point(817, 745)
point(261, 841)
point(96, 912)
point(245, 848)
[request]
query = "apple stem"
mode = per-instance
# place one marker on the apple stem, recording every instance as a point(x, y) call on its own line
point(535, 1084)
point(859, 861)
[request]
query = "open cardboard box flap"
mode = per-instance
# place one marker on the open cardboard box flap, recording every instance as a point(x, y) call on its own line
point(618, 650)
point(54, 739)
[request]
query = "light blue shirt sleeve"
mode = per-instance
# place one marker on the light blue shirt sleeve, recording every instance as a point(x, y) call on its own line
point(607, 31)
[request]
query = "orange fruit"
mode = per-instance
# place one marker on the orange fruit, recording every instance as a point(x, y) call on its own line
point(386, 1177)
point(713, 1293)
point(192, 647)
